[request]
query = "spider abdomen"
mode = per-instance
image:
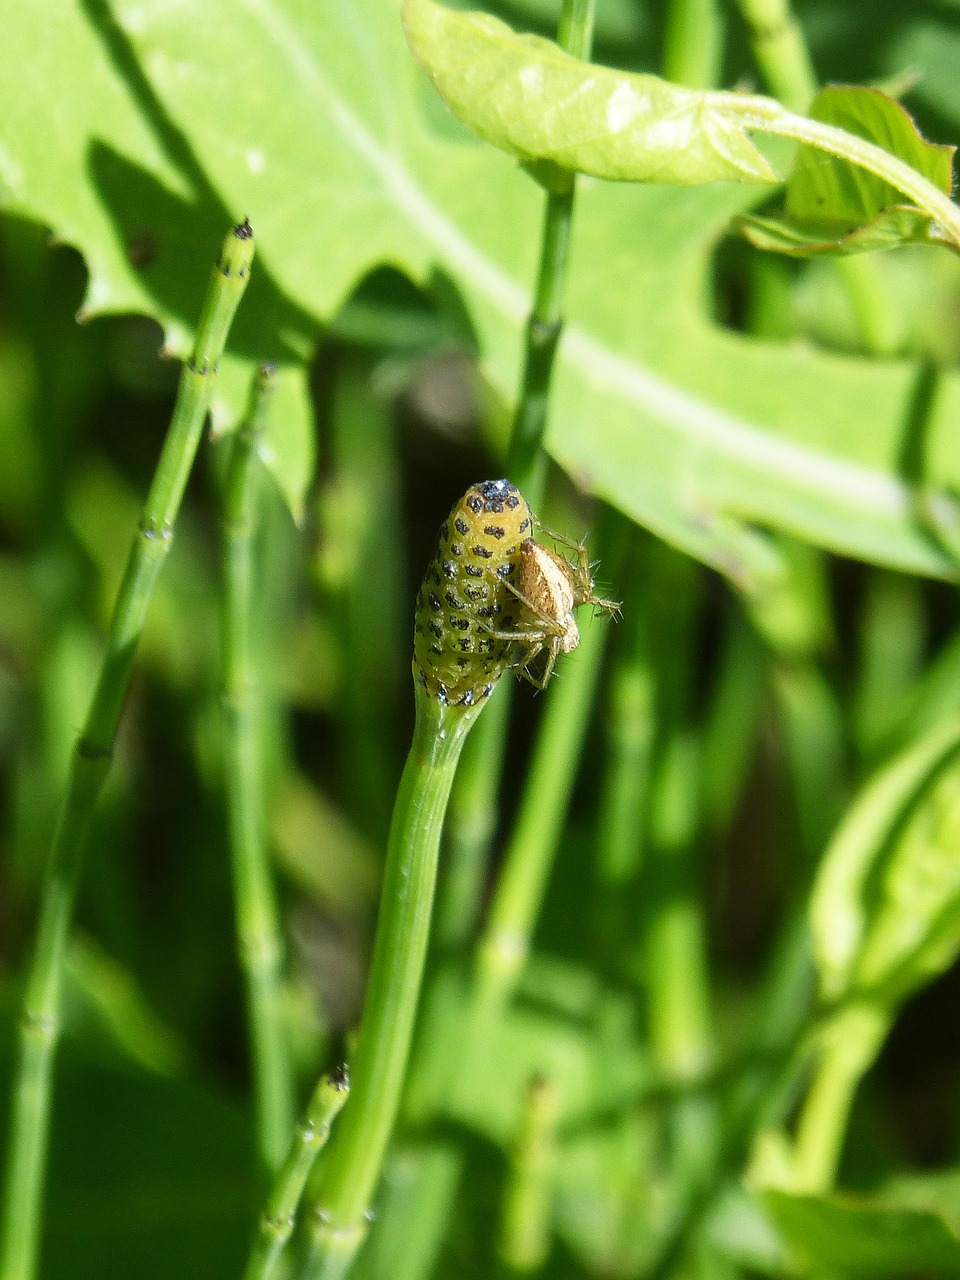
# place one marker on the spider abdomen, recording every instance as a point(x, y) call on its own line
point(544, 582)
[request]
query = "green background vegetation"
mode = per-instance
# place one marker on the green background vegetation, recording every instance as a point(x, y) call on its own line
point(781, 438)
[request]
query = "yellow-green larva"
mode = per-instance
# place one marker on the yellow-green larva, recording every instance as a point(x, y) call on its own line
point(465, 600)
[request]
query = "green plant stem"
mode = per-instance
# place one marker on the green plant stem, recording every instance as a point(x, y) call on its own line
point(533, 843)
point(360, 561)
point(873, 310)
point(692, 48)
point(352, 1168)
point(277, 1221)
point(781, 51)
point(848, 1046)
point(680, 1033)
point(682, 1039)
point(526, 460)
point(260, 942)
point(90, 763)
point(630, 729)
point(525, 1228)
point(472, 824)
point(475, 803)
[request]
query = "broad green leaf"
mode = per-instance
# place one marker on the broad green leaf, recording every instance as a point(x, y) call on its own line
point(170, 121)
point(149, 1179)
point(529, 98)
point(833, 206)
point(864, 1236)
point(885, 909)
point(86, 148)
point(872, 1237)
point(838, 192)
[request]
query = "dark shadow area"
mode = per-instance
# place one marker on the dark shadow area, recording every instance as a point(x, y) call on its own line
point(172, 242)
point(917, 1076)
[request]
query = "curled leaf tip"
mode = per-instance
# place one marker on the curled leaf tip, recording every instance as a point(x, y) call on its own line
point(528, 97)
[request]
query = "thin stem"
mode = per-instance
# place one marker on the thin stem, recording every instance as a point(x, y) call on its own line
point(526, 460)
point(536, 833)
point(848, 1047)
point(525, 1230)
point(692, 48)
point(680, 1031)
point(528, 858)
point(682, 1038)
point(259, 937)
point(630, 731)
point(90, 763)
point(360, 557)
point(279, 1216)
point(781, 51)
point(353, 1165)
point(629, 726)
point(472, 823)
point(478, 783)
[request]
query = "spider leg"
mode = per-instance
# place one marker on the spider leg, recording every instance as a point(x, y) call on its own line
point(529, 651)
point(523, 631)
point(541, 682)
point(564, 541)
point(550, 626)
point(600, 605)
point(553, 650)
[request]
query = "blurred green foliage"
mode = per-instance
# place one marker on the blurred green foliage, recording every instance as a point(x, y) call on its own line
point(673, 987)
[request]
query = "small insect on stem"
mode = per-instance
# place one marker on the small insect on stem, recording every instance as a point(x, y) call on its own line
point(549, 587)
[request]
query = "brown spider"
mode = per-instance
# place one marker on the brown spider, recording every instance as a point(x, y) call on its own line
point(550, 587)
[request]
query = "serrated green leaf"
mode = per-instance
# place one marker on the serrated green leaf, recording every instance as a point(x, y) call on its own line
point(173, 120)
point(885, 908)
point(864, 1236)
point(833, 206)
point(529, 98)
point(112, 177)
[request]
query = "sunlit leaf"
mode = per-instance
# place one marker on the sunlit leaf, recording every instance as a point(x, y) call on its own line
point(316, 122)
point(833, 206)
point(894, 227)
point(871, 1237)
point(528, 97)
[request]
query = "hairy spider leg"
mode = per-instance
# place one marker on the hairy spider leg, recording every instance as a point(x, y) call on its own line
point(534, 638)
point(581, 573)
